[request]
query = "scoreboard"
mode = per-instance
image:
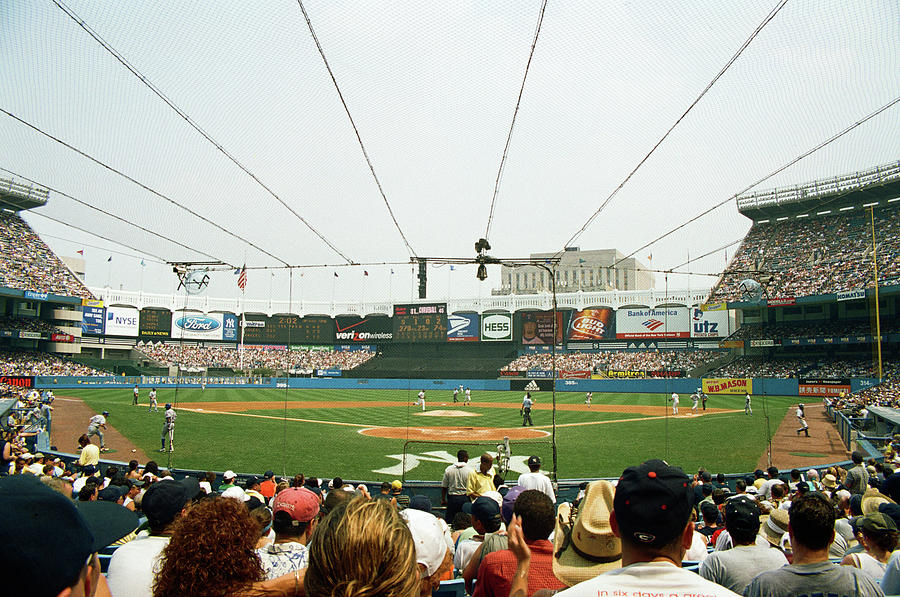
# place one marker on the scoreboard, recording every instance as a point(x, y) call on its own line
point(420, 323)
point(288, 329)
point(155, 323)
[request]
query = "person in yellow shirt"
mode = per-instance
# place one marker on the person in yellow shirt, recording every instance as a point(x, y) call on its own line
point(482, 480)
point(90, 454)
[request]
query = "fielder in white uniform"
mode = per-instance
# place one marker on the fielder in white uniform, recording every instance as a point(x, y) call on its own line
point(421, 400)
point(674, 403)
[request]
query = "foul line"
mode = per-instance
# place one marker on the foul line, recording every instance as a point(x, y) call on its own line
point(225, 412)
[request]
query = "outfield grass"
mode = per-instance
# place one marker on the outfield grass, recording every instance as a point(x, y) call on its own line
point(723, 442)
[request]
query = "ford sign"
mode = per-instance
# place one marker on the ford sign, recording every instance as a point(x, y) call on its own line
point(197, 324)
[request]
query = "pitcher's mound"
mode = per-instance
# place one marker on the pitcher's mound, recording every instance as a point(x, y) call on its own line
point(448, 413)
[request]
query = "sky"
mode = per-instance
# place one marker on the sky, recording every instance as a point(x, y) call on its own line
point(432, 88)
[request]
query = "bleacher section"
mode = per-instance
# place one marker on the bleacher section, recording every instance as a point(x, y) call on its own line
point(27, 263)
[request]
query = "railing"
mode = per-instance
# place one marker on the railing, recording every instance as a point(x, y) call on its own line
point(829, 186)
point(26, 191)
point(511, 303)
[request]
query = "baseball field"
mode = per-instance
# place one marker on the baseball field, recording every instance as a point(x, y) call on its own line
point(364, 434)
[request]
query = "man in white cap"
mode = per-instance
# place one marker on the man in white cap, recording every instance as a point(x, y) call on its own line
point(434, 556)
point(228, 478)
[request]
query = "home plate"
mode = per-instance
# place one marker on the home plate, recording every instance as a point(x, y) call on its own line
point(448, 413)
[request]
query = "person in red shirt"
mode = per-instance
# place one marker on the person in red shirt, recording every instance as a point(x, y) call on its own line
point(267, 487)
point(537, 514)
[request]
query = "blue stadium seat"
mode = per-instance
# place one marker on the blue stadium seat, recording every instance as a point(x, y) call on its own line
point(450, 588)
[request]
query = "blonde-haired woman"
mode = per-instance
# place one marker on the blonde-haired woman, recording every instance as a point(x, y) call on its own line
point(361, 549)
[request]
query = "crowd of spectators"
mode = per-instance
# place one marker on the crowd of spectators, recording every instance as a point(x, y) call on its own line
point(29, 362)
point(816, 255)
point(805, 532)
point(811, 329)
point(27, 324)
point(811, 367)
point(252, 357)
point(27, 263)
point(655, 360)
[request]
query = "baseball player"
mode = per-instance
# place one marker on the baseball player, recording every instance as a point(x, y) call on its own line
point(96, 426)
point(695, 403)
point(153, 404)
point(674, 403)
point(588, 398)
point(747, 409)
point(468, 397)
point(455, 394)
point(136, 393)
point(801, 416)
point(168, 429)
point(421, 399)
point(703, 398)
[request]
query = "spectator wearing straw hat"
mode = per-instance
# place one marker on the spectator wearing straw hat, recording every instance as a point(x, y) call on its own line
point(651, 515)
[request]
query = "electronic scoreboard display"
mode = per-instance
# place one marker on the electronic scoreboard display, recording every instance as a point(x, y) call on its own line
point(288, 329)
point(420, 323)
point(155, 323)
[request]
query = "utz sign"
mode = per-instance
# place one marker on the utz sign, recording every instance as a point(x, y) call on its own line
point(496, 327)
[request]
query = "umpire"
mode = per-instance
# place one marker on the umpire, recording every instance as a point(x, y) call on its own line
point(526, 410)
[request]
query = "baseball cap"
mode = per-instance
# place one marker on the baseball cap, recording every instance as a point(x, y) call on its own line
point(420, 502)
point(89, 470)
point(802, 487)
point(45, 526)
point(509, 500)
point(168, 405)
point(229, 474)
point(742, 514)
point(396, 484)
point(877, 522)
point(301, 503)
point(105, 413)
point(112, 493)
point(251, 481)
point(484, 509)
point(428, 537)
point(586, 546)
point(653, 503)
point(534, 461)
point(268, 474)
point(165, 499)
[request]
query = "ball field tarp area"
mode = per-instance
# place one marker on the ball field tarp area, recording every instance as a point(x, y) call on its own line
point(361, 434)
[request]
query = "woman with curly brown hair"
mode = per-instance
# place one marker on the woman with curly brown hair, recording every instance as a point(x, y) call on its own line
point(212, 552)
point(361, 549)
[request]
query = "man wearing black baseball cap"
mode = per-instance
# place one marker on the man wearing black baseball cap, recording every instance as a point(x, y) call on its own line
point(735, 568)
point(651, 515)
point(132, 568)
point(535, 479)
point(50, 546)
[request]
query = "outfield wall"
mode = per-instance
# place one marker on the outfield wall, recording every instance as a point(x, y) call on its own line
point(683, 386)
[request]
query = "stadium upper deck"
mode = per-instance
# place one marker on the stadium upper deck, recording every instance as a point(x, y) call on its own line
point(816, 238)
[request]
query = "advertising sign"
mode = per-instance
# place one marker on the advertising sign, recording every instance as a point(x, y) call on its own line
point(196, 326)
point(728, 386)
point(229, 327)
point(531, 385)
point(121, 321)
point(328, 372)
point(714, 306)
point(377, 329)
point(496, 327)
point(38, 296)
point(506, 373)
point(539, 374)
point(92, 321)
point(709, 324)
point(537, 327)
point(626, 374)
point(19, 381)
point(849, 295)
point(66, 338)
point(781, 301)
point(762, 343)
point(565, 374)
point(31, 335)
point(671, 322)
point(154, 323)
point(462, 327)
point(592, 324)
point(420, 323)
point(824, 387)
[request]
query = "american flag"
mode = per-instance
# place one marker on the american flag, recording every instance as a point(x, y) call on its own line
point(242, 278)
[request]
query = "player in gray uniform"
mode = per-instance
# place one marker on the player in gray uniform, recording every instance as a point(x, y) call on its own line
point(168, 429)
point(96, 426)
